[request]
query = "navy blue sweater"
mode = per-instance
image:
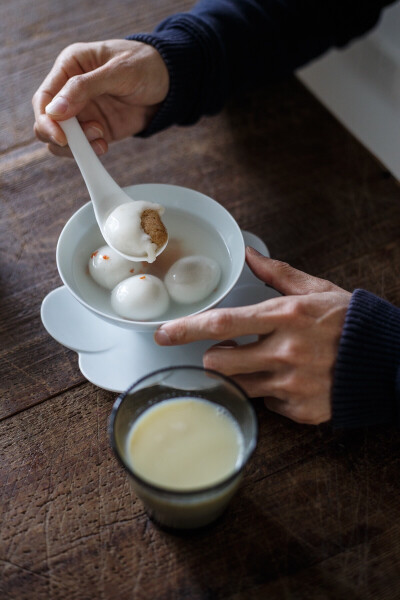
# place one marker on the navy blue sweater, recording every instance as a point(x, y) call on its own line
point(221, 47)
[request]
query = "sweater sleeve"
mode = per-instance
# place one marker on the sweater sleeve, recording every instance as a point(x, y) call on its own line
point(366, 389)
point(221, 47)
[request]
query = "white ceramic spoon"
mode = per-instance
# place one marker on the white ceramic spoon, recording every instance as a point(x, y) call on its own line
point(104, 192)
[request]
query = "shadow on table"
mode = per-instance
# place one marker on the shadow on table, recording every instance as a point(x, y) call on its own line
point(318, 544)
point(239, 556)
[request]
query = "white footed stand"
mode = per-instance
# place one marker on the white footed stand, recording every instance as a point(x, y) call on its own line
point(114, 358)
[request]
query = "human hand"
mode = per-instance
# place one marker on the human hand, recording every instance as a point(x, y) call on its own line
point(291, 365)
point(113, 87)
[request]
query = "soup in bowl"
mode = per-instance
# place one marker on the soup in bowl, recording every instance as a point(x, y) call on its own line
point(199, 229)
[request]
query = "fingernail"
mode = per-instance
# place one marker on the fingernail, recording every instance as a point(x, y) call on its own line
point(56, 142)
point(162, 338)
point(93, 133)
point(97, 147)
point(58, 106)
point(226, 344)
point(251, 250)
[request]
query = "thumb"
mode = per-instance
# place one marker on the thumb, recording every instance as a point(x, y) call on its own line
point(80, 89)
point(283, 277)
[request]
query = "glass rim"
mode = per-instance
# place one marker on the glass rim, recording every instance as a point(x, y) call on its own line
point(171, 491)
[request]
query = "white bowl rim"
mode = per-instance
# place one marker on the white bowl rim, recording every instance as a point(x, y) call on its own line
point(149, 325)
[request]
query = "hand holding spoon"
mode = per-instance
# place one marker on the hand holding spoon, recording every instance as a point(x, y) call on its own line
point(106, 196)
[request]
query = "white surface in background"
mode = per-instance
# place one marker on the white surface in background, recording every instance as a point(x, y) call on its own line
point(361, 87)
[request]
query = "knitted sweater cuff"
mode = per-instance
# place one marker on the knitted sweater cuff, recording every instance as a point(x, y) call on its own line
point(192, 55)
point(366, 389)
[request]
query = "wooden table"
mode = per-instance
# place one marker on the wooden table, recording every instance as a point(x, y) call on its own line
point(318, 514)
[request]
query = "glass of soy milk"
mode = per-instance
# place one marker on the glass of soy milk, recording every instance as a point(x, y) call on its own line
point(184, 434)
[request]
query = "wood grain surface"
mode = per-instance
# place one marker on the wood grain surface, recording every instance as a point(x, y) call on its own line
point(318, 514)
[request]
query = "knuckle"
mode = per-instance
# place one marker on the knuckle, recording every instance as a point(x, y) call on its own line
point(125, 57)
point(179, 332)
point(294, 309)
point(326, 286)
point(220, 323)
point(291, 386)
point(307, 416)
point(282, 267)
point(293, 350)
point(301, 414)
point(76, 83)
point(310, 410)
point(77, 87)
point(291, 353)
point(282, 270)
point(71, 49)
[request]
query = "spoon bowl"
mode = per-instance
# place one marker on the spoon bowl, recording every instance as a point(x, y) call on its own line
point(104, 192)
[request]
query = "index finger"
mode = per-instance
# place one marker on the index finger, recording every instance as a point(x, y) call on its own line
point(51, 85)
point(45, 128)
point(216, 324)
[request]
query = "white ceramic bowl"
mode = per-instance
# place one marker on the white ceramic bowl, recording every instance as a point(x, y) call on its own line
point(81, 236)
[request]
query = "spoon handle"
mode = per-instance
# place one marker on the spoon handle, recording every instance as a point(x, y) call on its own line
point(99, 182)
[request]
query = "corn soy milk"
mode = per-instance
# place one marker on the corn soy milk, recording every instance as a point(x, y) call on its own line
point(185, 444)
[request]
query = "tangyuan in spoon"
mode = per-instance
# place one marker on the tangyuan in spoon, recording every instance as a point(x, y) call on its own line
point(133, 228)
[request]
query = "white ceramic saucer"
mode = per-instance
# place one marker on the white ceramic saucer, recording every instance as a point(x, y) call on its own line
point(113, 358)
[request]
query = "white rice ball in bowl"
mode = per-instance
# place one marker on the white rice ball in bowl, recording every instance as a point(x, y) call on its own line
point(196, 224)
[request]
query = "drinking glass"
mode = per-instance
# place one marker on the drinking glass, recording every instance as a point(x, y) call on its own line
point(182, 509)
